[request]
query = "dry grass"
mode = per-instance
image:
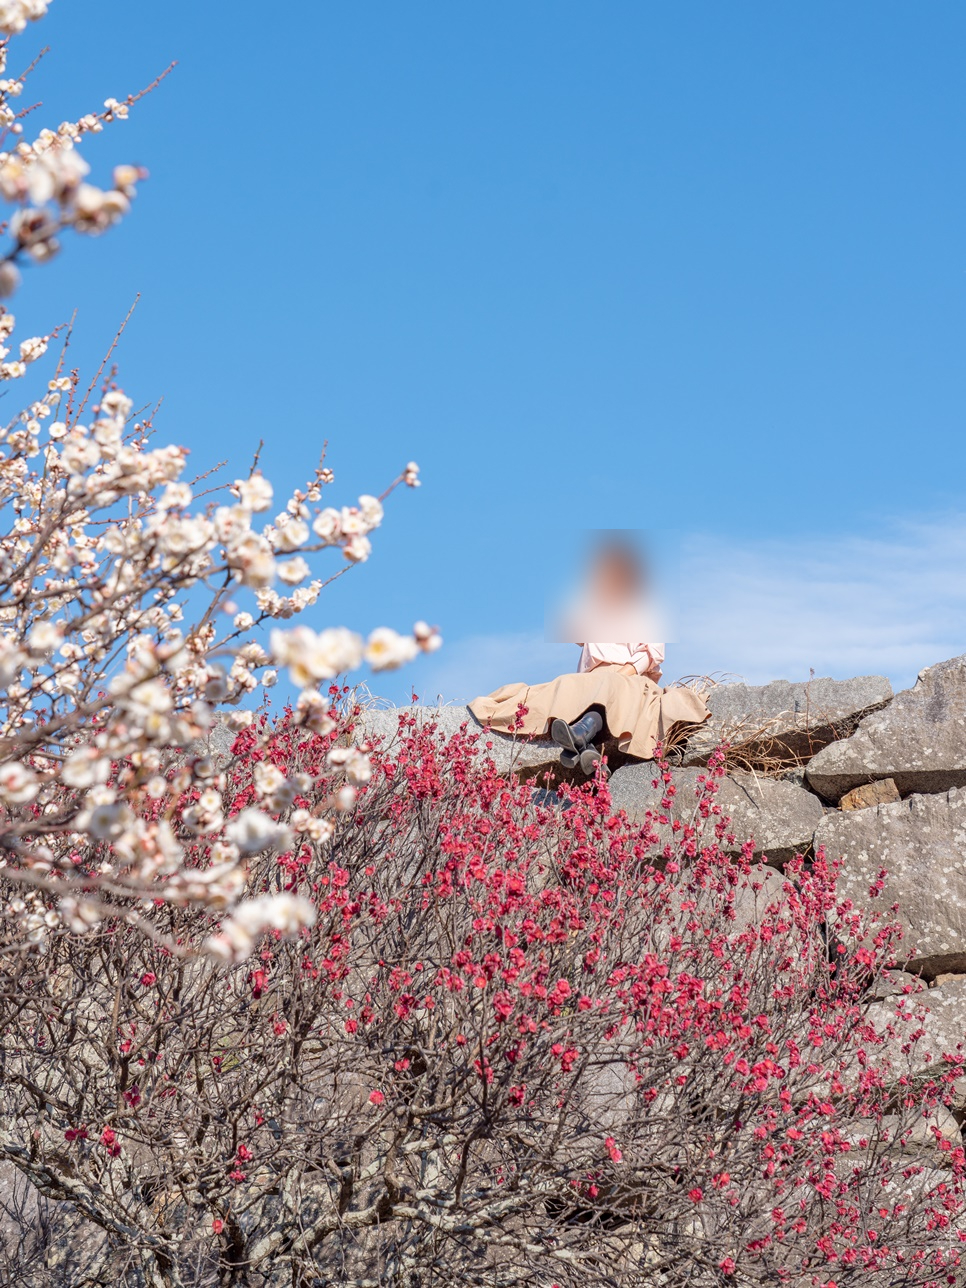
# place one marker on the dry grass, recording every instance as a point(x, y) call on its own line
point(769, 749)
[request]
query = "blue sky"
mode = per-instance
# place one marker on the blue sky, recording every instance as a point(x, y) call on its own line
point(698, 268)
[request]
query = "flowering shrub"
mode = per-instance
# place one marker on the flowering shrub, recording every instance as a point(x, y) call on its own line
point(120, 637)
point(512, 1043)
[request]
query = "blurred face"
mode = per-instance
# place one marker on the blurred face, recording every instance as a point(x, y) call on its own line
point(615, 578)
point(611, 595)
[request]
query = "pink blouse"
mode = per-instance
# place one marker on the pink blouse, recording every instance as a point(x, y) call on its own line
point(645, 658)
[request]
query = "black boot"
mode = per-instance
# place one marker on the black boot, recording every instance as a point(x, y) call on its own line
point(590, 758)
point(580, 734)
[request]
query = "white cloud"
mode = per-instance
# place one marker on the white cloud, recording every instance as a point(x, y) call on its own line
point(771, 609)
point(888, 605)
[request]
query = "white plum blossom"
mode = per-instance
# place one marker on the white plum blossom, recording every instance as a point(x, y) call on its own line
point(370, 508)
point(386, 649)
point(176, 496)
point(352, 522)
point(427, 637)
point(84, 767)
point(253, 831)
point(291, 535)
point(254, 493)
point(357, 549)
point(107, 821)
point(268, 778)
point(354, 762)
point(310, 825)
point(312, 656)
point(313, 711)
point(18, 783)
point(328, 525)
point(292, 571)
point(15, 14)
point(286, 913)
point(44, 637)
point(345, 798)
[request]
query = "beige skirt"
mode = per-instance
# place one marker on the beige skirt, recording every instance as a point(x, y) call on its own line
point(638, 712)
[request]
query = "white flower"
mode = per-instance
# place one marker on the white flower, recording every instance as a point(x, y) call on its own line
point(15, 14)
point(253, 831)
point(232, 523)
point(117, 404)
point(254, 493)
point(355, 763)
point(150, 697)
point(358, 549)
point(313, 711)
point(80, 915)
point(254, 561)
point(311, 657)
point(316, 829)
point(292, 571)
point(44, 637)
point(210, 800)
point(328, 525)
point(268, 778)
point(31, 350)
point(126, 177)
point(84, 767)
point(345, 798)
point(106, 822)
point(56, 173)
point(352, 522)
point(176, 496)
point(284, 912)
point(411, 475)
point(12, 660)
point(291, 535)
point(427, 637)
point(386, 650)
point(18, 784)
point(370, 508)
point(9, 279)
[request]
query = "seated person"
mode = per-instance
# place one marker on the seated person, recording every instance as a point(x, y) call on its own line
point(616, 686)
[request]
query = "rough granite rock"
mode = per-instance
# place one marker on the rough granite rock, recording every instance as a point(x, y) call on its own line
point(919, 740)
point(217, 743)
point(881, 793)
point(921, 842)
point(782, 721)
point(780, 816)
